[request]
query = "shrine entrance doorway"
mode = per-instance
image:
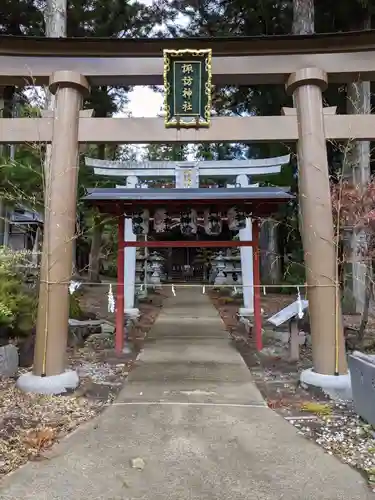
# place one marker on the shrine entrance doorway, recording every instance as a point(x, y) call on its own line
point(188, 264)
point(185, 266)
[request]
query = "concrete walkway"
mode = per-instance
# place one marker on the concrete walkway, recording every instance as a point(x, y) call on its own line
point(191, 411)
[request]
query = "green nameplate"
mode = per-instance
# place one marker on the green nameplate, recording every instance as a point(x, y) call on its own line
point(187, 88)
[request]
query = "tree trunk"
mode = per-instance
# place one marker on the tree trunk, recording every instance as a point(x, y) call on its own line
point(366, 306)
point(96, 244)
point(2, 204)
point(6, 111)
point(303, 17)
point(55, 18)
point(270, 257)
point(2, 222)
point(356, 168)
point(96, 241)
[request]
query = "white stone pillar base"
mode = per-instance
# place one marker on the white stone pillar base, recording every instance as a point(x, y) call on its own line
point(53, 385)
point(127, 349)
point(245, 312)
point(132, 312)
point(337, 387)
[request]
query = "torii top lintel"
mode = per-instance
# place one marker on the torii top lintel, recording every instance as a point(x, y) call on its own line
point(236, 60)
point(207, 168)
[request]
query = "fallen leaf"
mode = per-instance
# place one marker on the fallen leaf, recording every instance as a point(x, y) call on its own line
point(40, 438)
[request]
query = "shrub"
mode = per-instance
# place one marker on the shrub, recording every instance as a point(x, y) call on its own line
point(6, 316)
point(75, 311)
point(17, 304)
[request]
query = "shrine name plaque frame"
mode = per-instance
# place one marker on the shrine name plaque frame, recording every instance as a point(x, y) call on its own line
point(187, 88)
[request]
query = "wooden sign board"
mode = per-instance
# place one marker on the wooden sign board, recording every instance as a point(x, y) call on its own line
point(288, 313)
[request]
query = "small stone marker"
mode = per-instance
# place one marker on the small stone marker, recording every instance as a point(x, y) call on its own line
point(8, 360)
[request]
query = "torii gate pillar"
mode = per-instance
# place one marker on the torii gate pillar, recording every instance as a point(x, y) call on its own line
point(317, 229)
point(49, 375)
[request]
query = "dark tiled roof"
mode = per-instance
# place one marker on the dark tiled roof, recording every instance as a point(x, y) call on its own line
point(200, 194)
point(23, 215)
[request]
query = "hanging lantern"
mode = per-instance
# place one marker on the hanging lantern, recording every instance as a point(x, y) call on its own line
point(162, 221)
point(188, 222)
point(213, 223)
point(140, 222)
point(236, 219)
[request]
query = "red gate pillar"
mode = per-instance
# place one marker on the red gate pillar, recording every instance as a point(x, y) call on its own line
point(256, 284)
point(120, 302)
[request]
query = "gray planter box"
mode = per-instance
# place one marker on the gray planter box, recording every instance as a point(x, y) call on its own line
point(362, 374)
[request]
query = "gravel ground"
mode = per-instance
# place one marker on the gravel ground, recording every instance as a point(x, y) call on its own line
point(30, 423)
point(343, 434)
point(333, 426)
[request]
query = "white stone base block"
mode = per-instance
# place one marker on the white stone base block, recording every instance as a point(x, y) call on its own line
point(337, 387)
point(127, 349)
point(132, 313)
point(244, 312)
point(55, 384)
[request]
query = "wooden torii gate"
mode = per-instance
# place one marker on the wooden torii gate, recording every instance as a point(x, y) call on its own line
point(304, 64)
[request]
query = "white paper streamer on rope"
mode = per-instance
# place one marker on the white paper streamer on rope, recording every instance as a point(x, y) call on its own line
point(235, 290)
point(213, 223)
point(173, 290)
point(111, 300)
point(264, 290)
point(73, 286)
point(204, 289)
point(299, 303)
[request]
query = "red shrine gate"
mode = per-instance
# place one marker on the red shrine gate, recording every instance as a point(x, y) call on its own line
point(256, 202)
point(120, 302)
